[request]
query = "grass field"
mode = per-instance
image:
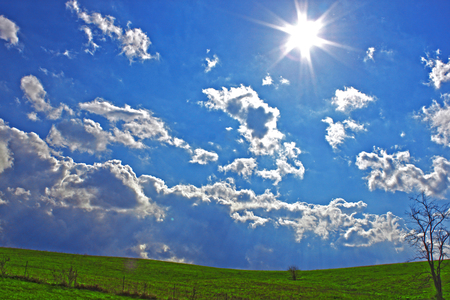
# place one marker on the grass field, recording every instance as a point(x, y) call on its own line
point(182, 281)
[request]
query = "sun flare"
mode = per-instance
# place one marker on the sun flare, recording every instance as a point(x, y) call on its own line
point(303, 36)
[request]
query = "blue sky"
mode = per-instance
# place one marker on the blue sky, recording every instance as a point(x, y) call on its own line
point(218, 133)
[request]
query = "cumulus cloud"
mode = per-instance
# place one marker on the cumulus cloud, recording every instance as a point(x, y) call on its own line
point(8, 31)
point(36, 95)
point(440, 71)
point(258, 121)
point(336, 222)
point(35, 173)
point(211, 63)
point(369, 54)
point(241, 166)
point(350, 99)
point(438, 118)
point(336, 132)
point(393, 172)
point(203, 157)
point(134, 43)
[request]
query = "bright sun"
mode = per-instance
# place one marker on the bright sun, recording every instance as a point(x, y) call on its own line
point(303, 36)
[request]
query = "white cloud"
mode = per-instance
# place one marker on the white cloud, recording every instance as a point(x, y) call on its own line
point(250, 216)
point(77, 135)
point(6, 160)
point(33, 116)
point(114, 113)
point(36, 95)
point(393, 172)
point(46, 180)
point(241, 166)
point(283, 169)
point(336, 222)
point(258, 121)
point(134, 42)
point(8, 30)
point(440, 72)
point(353, 125)
point(203, 157)
point(284, 81)
point(211, 63)
point(139, 123)
point(19, 192)
point(267, 80)
point(336, 132)
point(110, 189)
point(369, 54)
point(351, 99)
point(91, 45)
point(438, 118)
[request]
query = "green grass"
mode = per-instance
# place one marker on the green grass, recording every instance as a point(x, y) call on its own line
point(165, 279)
point(18, 289)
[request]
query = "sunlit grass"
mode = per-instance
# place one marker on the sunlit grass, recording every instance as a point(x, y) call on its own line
point(165, 279)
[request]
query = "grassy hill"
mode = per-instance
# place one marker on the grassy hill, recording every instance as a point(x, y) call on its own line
point(168, 280)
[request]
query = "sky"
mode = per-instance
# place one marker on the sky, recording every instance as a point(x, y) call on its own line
point(235, 134)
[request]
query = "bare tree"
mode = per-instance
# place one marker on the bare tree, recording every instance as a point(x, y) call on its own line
point(430, 235)
point(293, 272)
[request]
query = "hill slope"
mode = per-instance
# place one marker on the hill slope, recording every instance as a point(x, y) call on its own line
point(183, 281)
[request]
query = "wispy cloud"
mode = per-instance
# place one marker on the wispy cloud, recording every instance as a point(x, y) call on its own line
point(134, 43)
point(369, 54)
point(438, 118)
point(211, 63)
point(36, 95)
